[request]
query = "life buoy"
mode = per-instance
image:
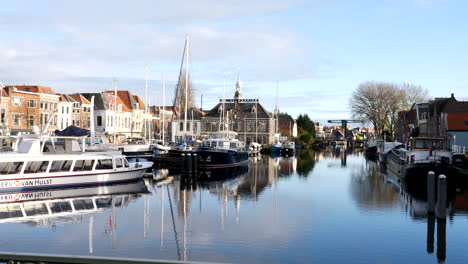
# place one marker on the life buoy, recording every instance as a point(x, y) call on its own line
point(18, 183)
point(17, 197)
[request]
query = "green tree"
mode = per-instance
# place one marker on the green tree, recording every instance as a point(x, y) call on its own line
point(304, 122)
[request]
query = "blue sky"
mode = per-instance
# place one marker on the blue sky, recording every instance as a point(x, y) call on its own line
point(318, 50)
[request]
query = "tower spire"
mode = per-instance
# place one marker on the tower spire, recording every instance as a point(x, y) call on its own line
point(238, 94)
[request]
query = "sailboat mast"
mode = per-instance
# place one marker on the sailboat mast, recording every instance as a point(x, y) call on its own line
point(115, 111)
point(277, 109)
point(224, 100)
point(146, 107)
point(256, 120)
point(186, 86)
point(163, 110)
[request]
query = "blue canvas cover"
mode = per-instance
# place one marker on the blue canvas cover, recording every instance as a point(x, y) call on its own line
point(73, 131)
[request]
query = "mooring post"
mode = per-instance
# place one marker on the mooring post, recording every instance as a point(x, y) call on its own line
point(195, 162)
point(184, 160)
point(189, 162)
point(442, 197)
point(430, 192)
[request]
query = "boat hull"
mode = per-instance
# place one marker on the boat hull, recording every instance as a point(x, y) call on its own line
point(214, 158)
point(44, 181)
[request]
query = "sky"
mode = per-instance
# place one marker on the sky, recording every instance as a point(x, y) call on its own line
point(316, 51)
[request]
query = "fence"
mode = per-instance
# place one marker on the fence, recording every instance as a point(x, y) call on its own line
point(459, 149)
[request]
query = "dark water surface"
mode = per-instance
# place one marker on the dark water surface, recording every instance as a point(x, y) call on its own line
point(319, 207)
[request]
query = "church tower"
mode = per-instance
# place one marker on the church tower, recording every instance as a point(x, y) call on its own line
point(238, 94)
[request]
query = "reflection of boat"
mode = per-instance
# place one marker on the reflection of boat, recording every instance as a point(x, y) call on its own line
point(24, 206)
point(222, 150)
point(222, 173)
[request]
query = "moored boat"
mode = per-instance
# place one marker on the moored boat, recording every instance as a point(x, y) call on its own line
point(32, 169)
point(222, 149)
point(420, 156)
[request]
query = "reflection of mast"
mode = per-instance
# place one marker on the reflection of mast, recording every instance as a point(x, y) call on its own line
point(113, 222)
point(145, 217)
point(173, 222)
point(162, 219)
point(90, 235)
point(185, 225)
point(276, 195)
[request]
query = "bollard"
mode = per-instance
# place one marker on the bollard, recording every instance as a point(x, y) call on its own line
point(189, 162)
point(430, 192)
point(441, 197)
point(195, 162)
point(184, 167)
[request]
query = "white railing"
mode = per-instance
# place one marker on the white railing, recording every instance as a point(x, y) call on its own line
point(459, 149)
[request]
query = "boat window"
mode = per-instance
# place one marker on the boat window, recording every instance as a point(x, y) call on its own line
point(35, 209)
point(67, 165)
point(104, 164)
point(11, 167)
point(118, 163)
point(214, 144)
point(118, 201)
point(36, 166)
point(104, 202)
point(10, 211)
point(59, 207)
point(83, 165)
point(233, 145)
point(126, 163)
point(83, 204)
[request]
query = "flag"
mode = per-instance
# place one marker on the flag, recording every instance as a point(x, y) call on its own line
point(432, 148)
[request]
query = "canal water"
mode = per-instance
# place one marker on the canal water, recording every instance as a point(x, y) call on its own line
point(318, 207)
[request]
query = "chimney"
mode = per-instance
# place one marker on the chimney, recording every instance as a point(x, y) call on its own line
point(453, 96)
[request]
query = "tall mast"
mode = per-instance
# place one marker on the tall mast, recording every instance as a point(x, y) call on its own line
point(256, 120)
point(277, 109)
point(224, 100)
point(186, 86)
point(91, 120)
point(115, 110)
point(163, 110)
point(146, 108)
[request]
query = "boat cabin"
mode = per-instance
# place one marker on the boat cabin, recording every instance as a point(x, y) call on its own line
point(57, 164)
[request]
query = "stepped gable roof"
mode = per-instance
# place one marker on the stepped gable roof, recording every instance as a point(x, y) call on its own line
point(80, 98)
point(247, 108)
point(100, 101)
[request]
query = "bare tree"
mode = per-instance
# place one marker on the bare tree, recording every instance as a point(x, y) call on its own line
point(380, 102)
point(180, 93)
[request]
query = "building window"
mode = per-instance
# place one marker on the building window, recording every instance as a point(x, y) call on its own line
point(32, 103)
point(68, 110)
point(3, 116)
point(30, 120)
point(99, 120)
point(181, 126)
point(16, 119)
point(466, 123)
point(17, 101)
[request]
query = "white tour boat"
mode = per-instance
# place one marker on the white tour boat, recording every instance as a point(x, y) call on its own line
point(30, 168)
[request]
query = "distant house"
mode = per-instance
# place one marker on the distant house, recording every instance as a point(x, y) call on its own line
point(442, 117)
point(287, 125)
